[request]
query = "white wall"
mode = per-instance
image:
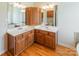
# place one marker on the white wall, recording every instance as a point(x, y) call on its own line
point(67, 22)
point(3, 26)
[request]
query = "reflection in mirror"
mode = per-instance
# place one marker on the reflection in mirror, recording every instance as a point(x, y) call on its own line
point(15, 16)
point(49, 17)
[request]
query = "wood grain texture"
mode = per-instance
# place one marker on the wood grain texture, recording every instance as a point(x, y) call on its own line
point(18, 43)
point(32, 16)
point(46, 38)
point(39, 50)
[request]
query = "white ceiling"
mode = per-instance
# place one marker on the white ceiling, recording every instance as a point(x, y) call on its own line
point(43, 5)
point(27, 3)
point(40, 4)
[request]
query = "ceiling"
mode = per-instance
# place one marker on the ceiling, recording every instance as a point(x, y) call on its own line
point(43, 5)
point(40, 4)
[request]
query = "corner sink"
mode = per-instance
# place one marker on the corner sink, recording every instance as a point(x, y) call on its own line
point(48, 28)
point(20, 28)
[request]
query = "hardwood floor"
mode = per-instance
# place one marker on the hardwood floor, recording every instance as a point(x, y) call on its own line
point(39, 50)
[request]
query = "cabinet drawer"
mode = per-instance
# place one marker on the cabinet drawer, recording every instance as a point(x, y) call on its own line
point(51, 34)
point(43, 32)
point(50, 42)
point(19, 46)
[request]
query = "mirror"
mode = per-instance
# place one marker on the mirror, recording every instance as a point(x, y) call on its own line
point(15, 16)
point(49, 16)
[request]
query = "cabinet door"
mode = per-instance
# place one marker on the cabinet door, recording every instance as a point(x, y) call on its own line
point(20, 44)
point(49, 41)
point(28, 16)
point(30, 38)
point(11, 44)
point(26, 39)
point(35, 35)
point(40, 38)
point(37, 39)
point(53, 36)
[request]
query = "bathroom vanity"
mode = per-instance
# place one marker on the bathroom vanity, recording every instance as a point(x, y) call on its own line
point(45, 38)
point(16, 44)
point(22, 38)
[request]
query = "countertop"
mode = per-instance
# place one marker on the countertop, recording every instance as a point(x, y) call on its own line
point(20, 30)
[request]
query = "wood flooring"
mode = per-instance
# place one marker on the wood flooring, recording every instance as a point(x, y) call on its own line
point(39, 50)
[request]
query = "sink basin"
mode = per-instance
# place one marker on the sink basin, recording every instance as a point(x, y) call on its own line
point(19, 30)
point(48, 28)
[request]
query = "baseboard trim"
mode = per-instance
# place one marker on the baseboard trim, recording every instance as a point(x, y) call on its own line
point(3, 52)
point(65, 45)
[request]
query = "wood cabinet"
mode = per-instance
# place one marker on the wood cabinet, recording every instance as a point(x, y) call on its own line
point(50, 13)
point(33, 16)
point(45, 38)
point(26, 39)
point(16, 44)
point(39, 38)
point(30, 38)
point(19, 43)
point(50, 41)
point(36, 35)
point(11, 44)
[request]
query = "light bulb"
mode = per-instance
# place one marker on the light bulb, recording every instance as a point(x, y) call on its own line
point(19, 5)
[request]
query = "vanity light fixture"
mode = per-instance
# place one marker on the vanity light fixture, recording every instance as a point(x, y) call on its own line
point(48, 6)
point(19, 5)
